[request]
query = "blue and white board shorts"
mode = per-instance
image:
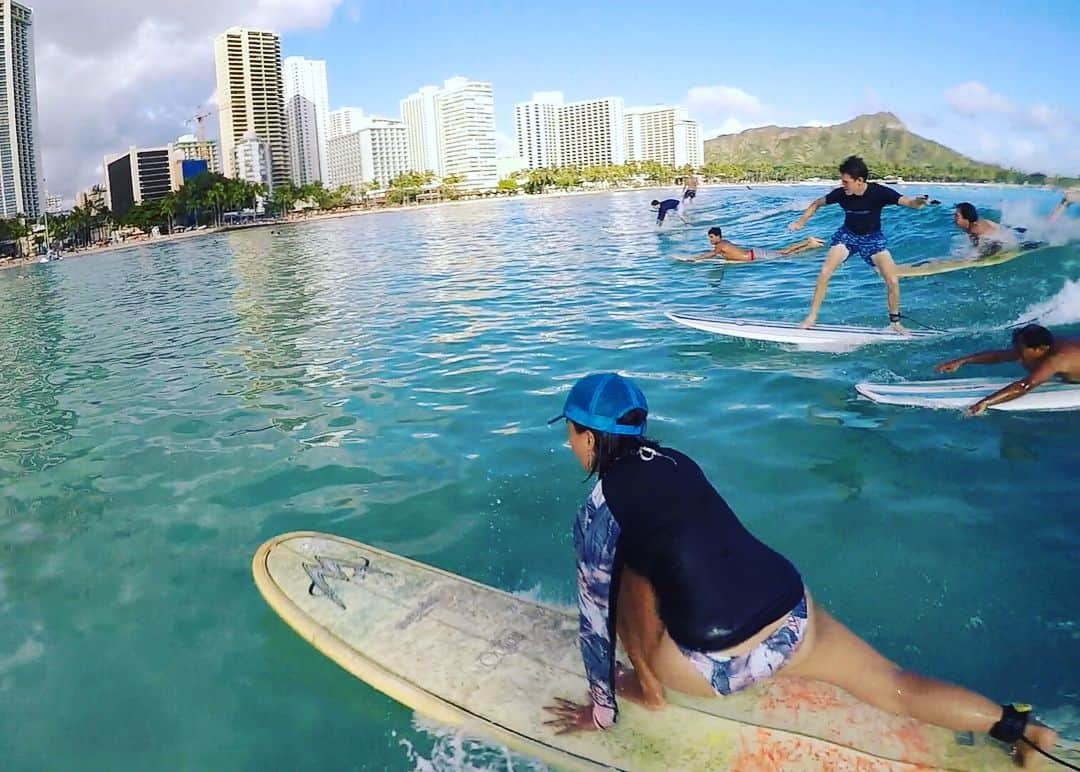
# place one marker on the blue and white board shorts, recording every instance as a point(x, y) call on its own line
point(862, 245)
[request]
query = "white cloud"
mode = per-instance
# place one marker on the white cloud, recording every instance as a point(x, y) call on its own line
point(123, 72)
point(723, 98)
point(974, 97)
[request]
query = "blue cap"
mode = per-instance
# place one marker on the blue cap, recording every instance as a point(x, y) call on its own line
point(599, 400)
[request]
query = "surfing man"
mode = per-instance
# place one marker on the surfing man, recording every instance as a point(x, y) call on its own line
point(701, 605)
point(991, 237)
point(860, 234)
point(725, 250)
point(689, 188)
point(665, 206)
point(1036, 351)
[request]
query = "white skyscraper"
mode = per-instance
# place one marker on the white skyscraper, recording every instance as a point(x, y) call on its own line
point(591, 132)
point(345, 120)
point(418, 112)
point(663, 134)
point(378, 151)
point(307, 114)
point(251, 96)
point(536, 129)
point(20, 158)
point(465, 123)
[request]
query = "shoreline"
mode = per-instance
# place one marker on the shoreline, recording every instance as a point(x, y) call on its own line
point(356, 212)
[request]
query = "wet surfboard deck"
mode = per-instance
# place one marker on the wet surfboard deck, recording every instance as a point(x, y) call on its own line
point(486, 661)
point(948, 265)
point(963, 392)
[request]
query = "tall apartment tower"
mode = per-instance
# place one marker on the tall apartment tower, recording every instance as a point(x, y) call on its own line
point(465, 112)
point(20, 155)
point(251, 97)
point(536, 129)
point(418, 113)
point(663, 134)
point(307, 118)
point(591, 132)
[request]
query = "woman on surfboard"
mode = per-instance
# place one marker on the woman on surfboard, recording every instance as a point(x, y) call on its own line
point(701, 605)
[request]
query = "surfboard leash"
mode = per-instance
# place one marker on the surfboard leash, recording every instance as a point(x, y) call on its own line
point(1050, 756)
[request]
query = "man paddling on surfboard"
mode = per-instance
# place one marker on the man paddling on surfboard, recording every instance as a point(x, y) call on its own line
point(860, 234)
point(991, 237)
point(701, 605)
point(1037, 352)
point(725, 250)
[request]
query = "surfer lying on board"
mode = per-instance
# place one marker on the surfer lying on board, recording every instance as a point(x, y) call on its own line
point(987, 236)
point(701, 605)
point(725, 250)
point(665, 206)
point(860, 234)
point(1037, 352)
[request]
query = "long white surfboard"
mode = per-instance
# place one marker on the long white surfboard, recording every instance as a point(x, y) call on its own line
point(481, 659)
point(787, 332)
point(963, 392)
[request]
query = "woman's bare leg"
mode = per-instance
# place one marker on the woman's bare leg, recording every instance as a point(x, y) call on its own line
point(832, 653)
point(640, 630)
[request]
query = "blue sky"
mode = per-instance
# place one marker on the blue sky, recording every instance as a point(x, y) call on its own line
point(995, 80)
point(1015, 67)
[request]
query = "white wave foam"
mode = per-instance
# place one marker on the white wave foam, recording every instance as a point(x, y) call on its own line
point(451, 749)
point(1062, 308)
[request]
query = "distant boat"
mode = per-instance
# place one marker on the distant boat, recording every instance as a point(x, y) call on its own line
point(893, 180)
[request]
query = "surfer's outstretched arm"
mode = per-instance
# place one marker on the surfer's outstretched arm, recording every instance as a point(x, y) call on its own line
point(997, 356)
point(1071, 196)
point(817, 204)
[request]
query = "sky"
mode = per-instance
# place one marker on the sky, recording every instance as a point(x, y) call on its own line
point(994, 80)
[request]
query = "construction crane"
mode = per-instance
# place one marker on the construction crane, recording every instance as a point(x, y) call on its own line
point(198, 119)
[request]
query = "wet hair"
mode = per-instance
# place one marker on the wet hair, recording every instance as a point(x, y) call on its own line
point(655, 203)
point(854, 167)
point(1032, 336)
point(714, 231)
point(609, 448)
point(968, 211)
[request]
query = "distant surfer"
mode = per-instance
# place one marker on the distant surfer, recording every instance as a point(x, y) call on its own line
point(666, 206)
point(689, 192)
point(700, 604)
point(1035, 348)
point(726, 250)
point(860, 234)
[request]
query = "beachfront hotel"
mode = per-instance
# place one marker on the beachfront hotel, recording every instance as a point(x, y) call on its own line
point(307, 118)
point(251, 97)
point(591, 132)
point(419, 116)
point(465, 127)
point(20, 156)
point(376, 152)
point(135, 176)
point(190, 149)
point(451, 131)
point(345, 120)
point(536, 128)
point(665, 135)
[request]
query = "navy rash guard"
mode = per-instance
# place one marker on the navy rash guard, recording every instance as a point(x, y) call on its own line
point(667, 205)
point(862, 214)
point(716, 585)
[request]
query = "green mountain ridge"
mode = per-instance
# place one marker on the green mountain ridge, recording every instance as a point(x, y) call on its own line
point(881, 139)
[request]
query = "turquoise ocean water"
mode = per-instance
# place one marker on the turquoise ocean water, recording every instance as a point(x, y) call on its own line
point(166, 409)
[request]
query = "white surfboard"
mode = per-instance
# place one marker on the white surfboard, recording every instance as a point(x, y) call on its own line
point(963, 392)
point(486, 661)
point(787, 332)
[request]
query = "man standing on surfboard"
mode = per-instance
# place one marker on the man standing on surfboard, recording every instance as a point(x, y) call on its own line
point(1036, 351)
point(860, 234)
